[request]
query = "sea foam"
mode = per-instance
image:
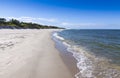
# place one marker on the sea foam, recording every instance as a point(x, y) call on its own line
point(58, 37)
point(83, 63)
point(88, 64)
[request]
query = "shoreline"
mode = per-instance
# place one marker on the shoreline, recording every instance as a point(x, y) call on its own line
point(32, 54)
point(66, 56)
point(88, 63)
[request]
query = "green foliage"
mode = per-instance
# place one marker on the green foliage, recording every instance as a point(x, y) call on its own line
point(2, 21)
point(13, 23)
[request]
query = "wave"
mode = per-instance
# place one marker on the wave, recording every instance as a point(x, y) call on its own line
point(57, 36)
point(84, 64)
point(80, 57)
point(91, 66)
point(88, 64)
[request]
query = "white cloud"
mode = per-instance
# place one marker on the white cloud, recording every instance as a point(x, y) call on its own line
point(31, 19)
point(65, 23)
point(82, 25)
point(79, 24)
point(47, 20)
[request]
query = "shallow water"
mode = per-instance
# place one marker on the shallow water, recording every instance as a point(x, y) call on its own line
point(97, 51)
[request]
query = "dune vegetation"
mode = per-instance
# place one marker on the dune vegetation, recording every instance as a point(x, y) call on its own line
point(15, 24)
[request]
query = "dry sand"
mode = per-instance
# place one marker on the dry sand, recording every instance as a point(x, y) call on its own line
point(30, 54)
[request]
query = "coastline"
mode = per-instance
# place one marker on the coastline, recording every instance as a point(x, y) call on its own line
point(32, 54)
point(88, 63)
point(66, 56)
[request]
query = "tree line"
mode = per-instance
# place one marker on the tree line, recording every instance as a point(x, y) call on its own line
point(13, 23)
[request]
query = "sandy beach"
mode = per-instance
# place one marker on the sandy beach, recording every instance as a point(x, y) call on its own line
point(30, 54)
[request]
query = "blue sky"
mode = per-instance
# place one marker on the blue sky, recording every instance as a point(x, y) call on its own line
point(82, 14)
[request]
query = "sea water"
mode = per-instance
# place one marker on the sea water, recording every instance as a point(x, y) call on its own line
point(97, 51)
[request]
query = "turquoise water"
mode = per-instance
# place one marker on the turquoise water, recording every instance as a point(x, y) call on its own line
point(97, 52)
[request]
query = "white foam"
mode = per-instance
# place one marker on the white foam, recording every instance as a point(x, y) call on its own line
point(66, 44)
point(58, 37)
point(84, 64)
point(87, 66)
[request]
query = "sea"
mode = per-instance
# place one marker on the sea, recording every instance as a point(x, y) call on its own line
point(97, 51)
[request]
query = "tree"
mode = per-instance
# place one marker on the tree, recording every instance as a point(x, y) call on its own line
point(14, 21)
point(2, 20)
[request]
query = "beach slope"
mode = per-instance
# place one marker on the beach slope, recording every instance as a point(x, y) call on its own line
point(30, 54)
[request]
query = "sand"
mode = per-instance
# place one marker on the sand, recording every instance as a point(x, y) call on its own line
point(30, 54)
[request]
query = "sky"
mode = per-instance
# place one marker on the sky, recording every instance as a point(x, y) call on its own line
point(73, 14)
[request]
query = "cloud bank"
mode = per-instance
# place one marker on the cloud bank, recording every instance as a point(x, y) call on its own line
point(31, 19)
